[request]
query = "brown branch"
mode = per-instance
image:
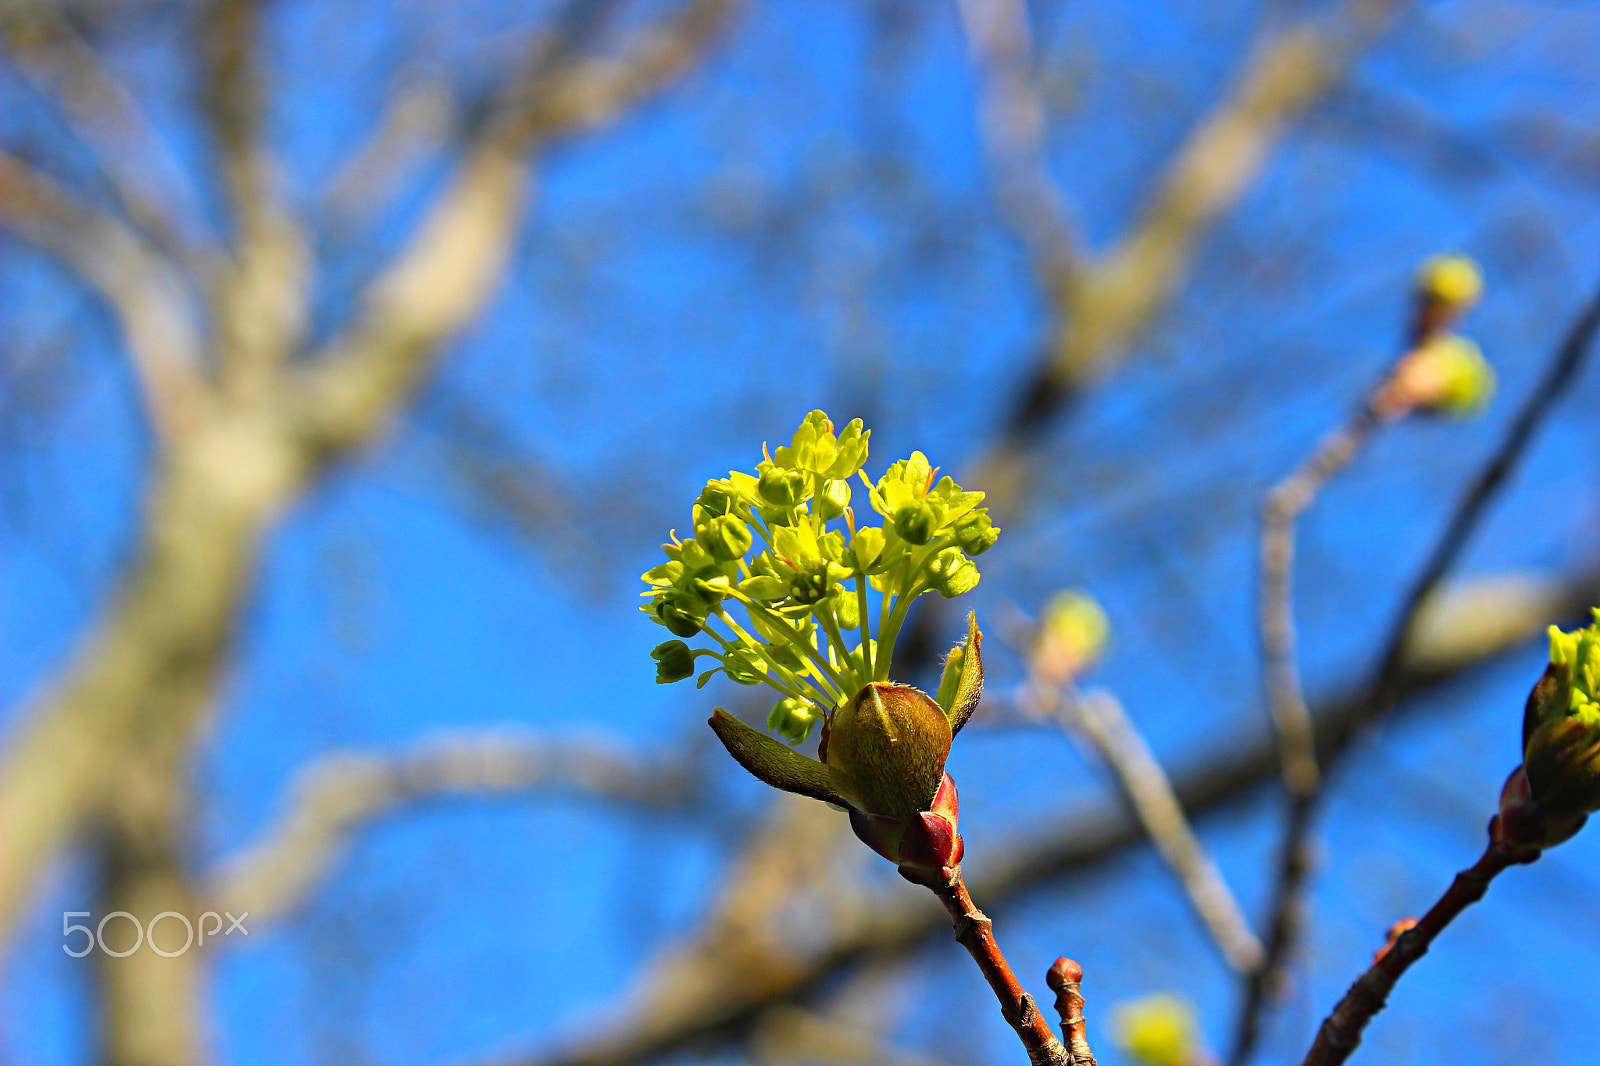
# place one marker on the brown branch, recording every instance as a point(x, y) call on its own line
point(1066, 980)
point(1100, 718)
point(142, 289)
point(697, 992)
point(1340, 1032)
point(975, 932)
point(1382, 693)
point(338, 794)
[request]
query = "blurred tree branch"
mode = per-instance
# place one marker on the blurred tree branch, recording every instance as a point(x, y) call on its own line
point(718, 995)
point(340, 793)
point(236, 460)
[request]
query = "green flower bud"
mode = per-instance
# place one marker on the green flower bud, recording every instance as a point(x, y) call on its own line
point(975, 534)
point(781, 487)
point(915, 520)
point(718, 497)
point(725, 537)
point(678, 621)
point(696, 557)
point(745, 667)
point(866, 546)
point(1466, 378)
point(792, 719)
point(851, 451)
point(888, 746)
point(833, 499)
point(846, 608)
point(1452, 280)
point(951, 573)
point(674, 662)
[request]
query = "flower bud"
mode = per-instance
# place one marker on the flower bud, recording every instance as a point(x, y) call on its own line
point(833, 499)
point(925, 846)
point(781, 487)
point(975, 533)
point(674, 662)
point(767, 588)
point(745, 667)
point(915, 520)
point(792, 719)
point(678, 621)
point(846, 608)
point(952, 573)
point(1158, 1030)
point(867, 546)
point(697, 557)
point(1452, 280)
point(725, 537)
point(889, 744)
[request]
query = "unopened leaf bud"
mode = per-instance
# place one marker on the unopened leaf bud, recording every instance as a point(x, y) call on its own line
point(1452, 280)
point(890, 743)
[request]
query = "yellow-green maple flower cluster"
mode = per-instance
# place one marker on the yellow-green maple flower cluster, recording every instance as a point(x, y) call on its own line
point(1579, 652)
point(792, 589)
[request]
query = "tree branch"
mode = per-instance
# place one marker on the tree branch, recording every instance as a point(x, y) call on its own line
point(339, 794)
point(141, 288)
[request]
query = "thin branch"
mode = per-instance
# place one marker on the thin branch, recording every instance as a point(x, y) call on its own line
point(106, 116)
point(339, 794)
point(1340, 1032)
point(1011, 121)
point(1066, 981)
point(142, 289)
point(695, 993)
point(975, 932)
point(1114, 300)
point(449, 269)
point(1100, 718)
point(1383, 691)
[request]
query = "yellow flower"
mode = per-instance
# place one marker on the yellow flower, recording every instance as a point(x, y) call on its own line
point(1158, 1030)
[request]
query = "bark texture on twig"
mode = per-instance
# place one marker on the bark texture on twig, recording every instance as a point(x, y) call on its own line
point(975, 932)
point(707, 988)
point(1340, 1032)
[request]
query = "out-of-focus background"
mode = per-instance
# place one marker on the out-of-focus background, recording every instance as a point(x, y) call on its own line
point(356, 358)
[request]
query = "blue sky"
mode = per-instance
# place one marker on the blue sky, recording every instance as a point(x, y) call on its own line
point(805, 222)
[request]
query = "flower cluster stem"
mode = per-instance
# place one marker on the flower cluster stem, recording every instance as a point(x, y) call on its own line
point(975, 932)
point(1340, 1032)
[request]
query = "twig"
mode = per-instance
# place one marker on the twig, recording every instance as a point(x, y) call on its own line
point(975, 932)
point(1384, 691)
point(141, 287)
point(1340, 1032)
point(1065, 979)
point(337, 794)
point(1011, 122)
point(692, 995)
point(1101, 719)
